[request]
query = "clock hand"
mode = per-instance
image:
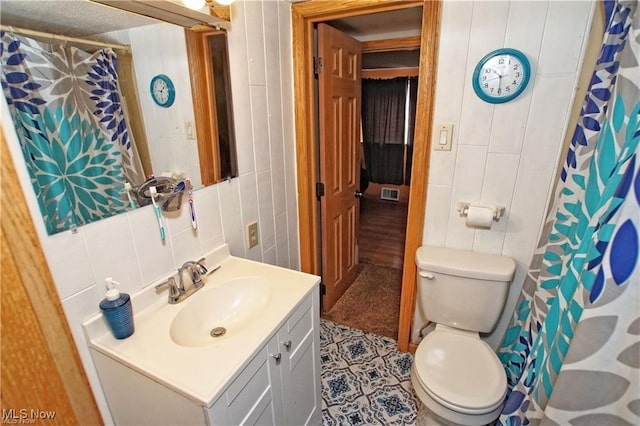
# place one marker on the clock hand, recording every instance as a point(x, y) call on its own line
point(500, 84)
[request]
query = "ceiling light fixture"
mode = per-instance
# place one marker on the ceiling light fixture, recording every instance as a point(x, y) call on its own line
point(199, 4)
point(194, 4)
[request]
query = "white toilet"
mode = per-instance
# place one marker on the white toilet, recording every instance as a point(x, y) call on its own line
point(456, 375)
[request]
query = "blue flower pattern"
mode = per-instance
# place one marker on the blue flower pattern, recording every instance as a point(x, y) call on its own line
point(591, 252)
point(76, 158)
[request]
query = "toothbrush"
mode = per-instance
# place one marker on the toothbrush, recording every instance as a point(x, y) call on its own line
point(127, 189)
point(154, 194)
point(192, 207)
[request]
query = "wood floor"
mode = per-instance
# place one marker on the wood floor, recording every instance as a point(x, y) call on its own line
point(381, 242)
point(382, 231)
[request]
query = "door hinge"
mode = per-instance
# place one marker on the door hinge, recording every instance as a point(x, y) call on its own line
point(319, 190)
point(317, 65)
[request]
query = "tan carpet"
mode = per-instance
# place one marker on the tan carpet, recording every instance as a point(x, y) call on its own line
point(372, 303)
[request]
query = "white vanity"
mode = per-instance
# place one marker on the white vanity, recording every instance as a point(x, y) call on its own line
point(265, 368)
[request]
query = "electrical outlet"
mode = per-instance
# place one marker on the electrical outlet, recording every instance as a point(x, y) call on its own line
point(252, 234)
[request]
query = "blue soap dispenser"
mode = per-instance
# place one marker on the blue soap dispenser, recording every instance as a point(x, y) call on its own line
point(116, 308)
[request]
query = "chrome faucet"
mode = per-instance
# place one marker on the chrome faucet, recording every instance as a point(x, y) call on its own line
point(178, 291)
point(196, 270)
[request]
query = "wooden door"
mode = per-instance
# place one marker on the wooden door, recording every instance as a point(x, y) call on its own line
point(339, 97)
point(42, 377)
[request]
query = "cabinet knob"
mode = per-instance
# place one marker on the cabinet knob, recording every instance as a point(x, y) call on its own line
point(277, 357)
point(287, 344)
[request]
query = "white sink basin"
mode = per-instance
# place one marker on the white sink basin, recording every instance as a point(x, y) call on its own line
point(227, 307)
point(172, 345)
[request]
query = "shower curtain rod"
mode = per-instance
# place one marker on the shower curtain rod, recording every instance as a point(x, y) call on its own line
point(51, 36)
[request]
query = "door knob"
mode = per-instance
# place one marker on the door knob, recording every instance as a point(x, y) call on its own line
point(359, 194)
point(277, 357)
point(287, 344)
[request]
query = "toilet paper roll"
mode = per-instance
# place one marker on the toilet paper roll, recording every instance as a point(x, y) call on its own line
point(480, 217)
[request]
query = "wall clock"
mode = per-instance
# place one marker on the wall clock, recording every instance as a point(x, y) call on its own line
point(502, 75)
point(162, 90)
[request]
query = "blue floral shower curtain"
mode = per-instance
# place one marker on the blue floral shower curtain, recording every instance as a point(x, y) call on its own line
point(65, 104)
point(572, 351)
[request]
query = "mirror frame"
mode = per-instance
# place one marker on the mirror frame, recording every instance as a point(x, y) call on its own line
point(206, 114)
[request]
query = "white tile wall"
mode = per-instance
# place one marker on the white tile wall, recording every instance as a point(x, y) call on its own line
point(497, 190)
point(128, 247)
point(260, 123)
point(266, 207)
point(164, 53)
point(502, 154)
point(289, 142)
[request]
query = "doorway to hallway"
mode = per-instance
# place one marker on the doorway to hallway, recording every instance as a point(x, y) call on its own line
point(372, 303)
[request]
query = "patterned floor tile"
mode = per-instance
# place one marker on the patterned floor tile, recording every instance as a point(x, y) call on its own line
point(365, 380)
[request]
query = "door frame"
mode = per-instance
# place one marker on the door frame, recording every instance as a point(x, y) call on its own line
point(41, 367)
point(304, 16)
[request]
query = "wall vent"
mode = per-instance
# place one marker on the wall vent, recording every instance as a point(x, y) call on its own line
point(390, 194)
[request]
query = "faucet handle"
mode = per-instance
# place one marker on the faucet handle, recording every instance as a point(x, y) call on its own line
point(174, 291)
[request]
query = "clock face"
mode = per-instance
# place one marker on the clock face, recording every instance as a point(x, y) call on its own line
point(162, 90)
point(501, 76)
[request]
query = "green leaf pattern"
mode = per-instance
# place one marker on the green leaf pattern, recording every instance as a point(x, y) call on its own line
point(65, 106)
point(70, 193)
point(571, 292)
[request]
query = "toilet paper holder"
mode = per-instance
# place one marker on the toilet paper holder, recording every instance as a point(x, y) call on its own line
point(463, 208)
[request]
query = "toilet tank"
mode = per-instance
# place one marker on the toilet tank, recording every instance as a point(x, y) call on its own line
point(461, 288)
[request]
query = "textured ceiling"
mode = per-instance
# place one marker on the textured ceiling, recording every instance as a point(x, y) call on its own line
point(403, 22)
point(399, 23)
point(394, 59)
point(75, 18)
point(82, 18)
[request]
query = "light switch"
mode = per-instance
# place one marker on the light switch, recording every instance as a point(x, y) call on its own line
point(442, 139)
point(189, 130)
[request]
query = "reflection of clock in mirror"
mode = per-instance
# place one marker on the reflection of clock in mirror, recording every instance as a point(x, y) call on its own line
point(501, 75)
point(162, 90)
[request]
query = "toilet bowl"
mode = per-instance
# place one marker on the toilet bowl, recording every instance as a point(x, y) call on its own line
point(456, 375)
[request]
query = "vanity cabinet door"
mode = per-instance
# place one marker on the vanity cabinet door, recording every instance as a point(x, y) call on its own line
point(299, 365)
point(249, 399)
point(281, 384)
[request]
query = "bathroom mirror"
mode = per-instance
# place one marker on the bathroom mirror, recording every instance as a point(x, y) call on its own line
point(215, 154)
point(213, 110)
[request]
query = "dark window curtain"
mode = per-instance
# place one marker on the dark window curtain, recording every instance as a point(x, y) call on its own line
point(383, 118)
point(413, 98)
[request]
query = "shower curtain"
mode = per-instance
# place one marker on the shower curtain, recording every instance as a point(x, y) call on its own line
point(572, 350)
point(65, 104)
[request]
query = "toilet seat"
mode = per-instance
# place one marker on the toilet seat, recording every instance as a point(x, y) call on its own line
point(461, 372)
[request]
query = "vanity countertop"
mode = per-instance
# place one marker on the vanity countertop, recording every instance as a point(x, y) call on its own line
point(201, 373)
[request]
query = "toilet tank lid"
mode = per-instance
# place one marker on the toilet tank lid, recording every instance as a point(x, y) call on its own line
point(465, 263)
